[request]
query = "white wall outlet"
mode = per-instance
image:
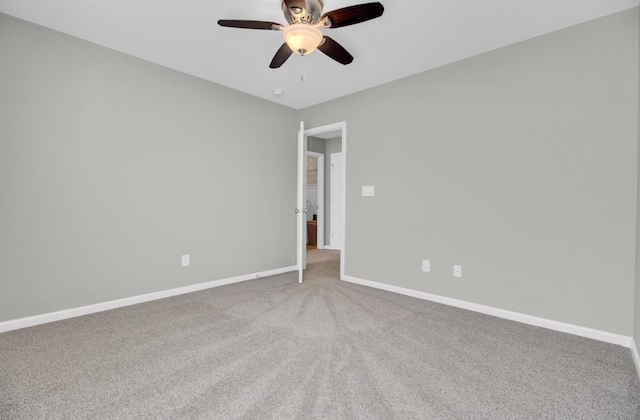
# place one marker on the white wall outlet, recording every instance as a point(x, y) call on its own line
point(457, 271)
point(185, 260)
point(368, 191)
point(426, 266)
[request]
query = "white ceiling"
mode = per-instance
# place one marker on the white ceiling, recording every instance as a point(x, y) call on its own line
point(411, 36)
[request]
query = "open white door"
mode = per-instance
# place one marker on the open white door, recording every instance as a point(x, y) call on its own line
point(301, 205)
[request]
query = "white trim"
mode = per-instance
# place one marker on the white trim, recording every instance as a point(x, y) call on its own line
point(608, 337)
point(301, 192)
point(636, 356)
point(325, 129)
point(30, 321)
point(343, 253)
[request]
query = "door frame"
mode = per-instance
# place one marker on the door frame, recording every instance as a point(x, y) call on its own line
point(342, 128)
point(300, 210)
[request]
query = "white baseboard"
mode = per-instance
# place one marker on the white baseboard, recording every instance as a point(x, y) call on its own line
point(621, 340)
point(636, 356)
point(105, 306)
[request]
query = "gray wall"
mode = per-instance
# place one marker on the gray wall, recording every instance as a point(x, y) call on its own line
point(315, 144)
point(111, 168)
point(636, 323)
point(519, 164)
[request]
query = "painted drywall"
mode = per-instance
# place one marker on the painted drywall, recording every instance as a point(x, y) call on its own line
point(111, 168)
point(315, 144)
point(519, 164)
point(636, 322)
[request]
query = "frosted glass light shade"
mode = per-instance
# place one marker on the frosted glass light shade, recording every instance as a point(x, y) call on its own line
point(302, 38)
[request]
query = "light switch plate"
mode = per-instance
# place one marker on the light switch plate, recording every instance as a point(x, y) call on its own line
point(426, 266)
point(368, 191)
point(457, 271)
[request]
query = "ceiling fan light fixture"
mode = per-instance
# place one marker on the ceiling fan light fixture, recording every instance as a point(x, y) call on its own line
point(302, 38)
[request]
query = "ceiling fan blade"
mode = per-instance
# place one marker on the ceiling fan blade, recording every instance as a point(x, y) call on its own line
point(281, 56)
point(336, 51)
point(251, 24)
point(352, 15)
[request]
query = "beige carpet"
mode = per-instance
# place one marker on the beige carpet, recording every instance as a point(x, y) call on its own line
point(272, 348)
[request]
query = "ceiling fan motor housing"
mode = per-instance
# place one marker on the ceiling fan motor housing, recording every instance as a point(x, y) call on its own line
point(297, 14)
point(303, 36)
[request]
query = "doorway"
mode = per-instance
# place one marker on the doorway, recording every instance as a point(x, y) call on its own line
point(327, 140)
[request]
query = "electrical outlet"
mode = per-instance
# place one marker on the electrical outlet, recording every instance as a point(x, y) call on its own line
point(457, 271)
point(426, 266)
point(185, 260)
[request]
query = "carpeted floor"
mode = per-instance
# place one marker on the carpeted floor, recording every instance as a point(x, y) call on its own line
point(272, 348)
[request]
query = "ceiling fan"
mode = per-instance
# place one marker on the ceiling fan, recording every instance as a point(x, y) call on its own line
point(302, 36)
